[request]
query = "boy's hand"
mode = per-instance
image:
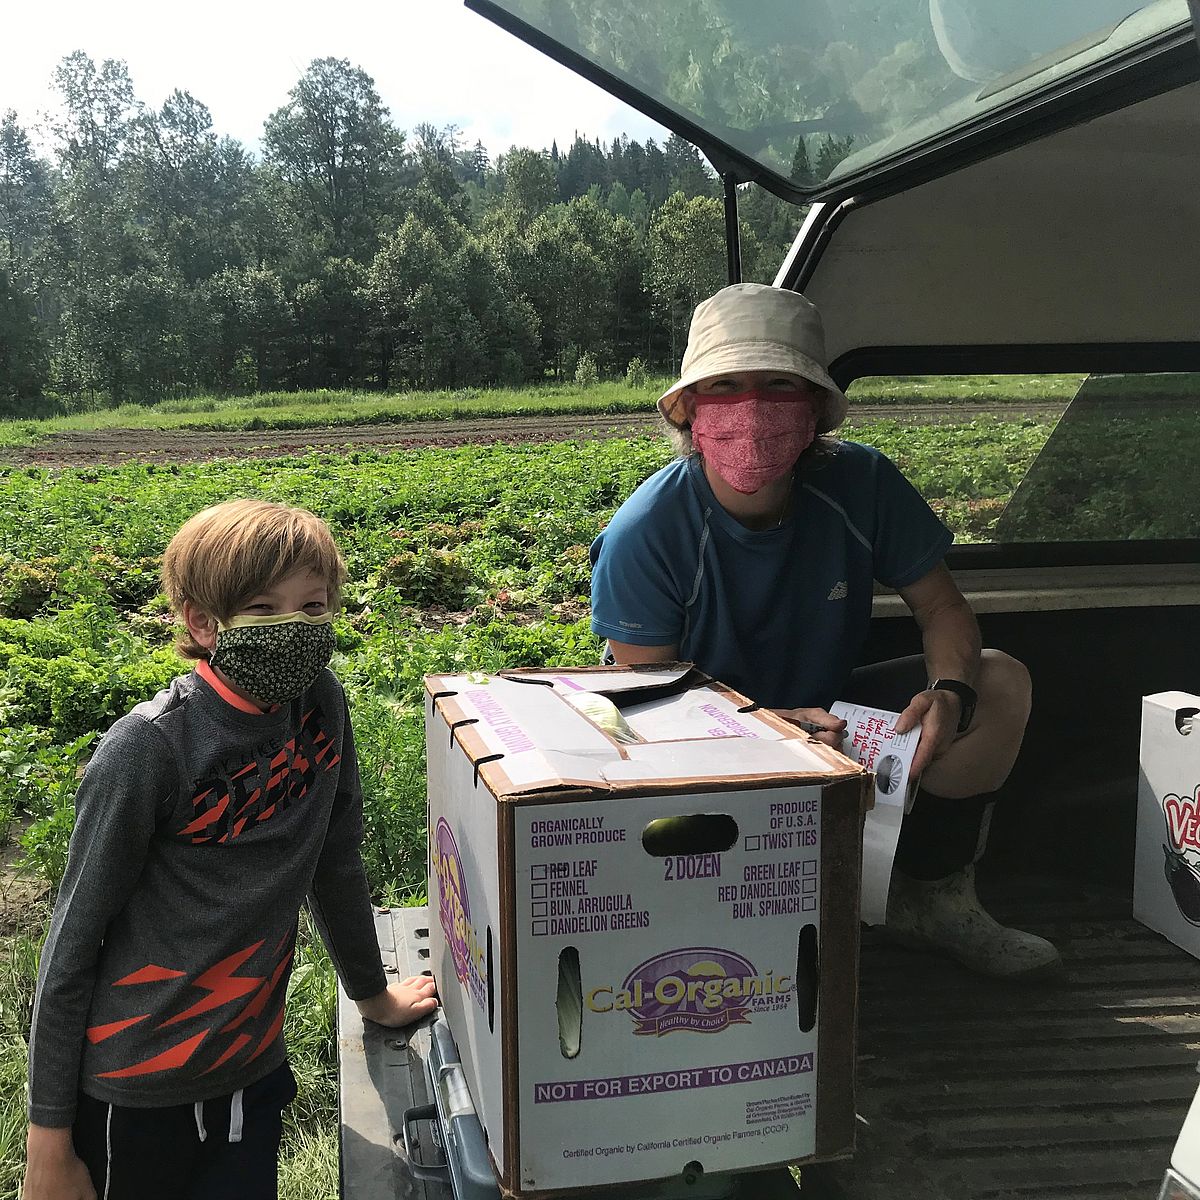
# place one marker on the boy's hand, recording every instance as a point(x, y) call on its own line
point(401, 1003)
point(54, 1171)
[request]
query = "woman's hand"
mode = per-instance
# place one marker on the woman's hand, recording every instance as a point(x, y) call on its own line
point(937, 713)
point(821, 725)
point(53, 1170)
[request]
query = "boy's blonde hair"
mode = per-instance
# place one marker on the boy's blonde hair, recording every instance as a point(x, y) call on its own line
point(229, 553)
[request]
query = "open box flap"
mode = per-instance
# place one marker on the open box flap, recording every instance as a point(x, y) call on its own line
point(720, 758)
point(505, 712)
point(622, 685)
point(526, 737)
point(706, 714)
point(543, 770)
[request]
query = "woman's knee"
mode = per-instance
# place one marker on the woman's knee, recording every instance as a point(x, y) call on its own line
point(1005, 689)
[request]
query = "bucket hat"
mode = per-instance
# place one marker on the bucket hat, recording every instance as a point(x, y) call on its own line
point(754, 327)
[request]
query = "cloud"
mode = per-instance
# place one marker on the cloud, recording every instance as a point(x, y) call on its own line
point(432, 60)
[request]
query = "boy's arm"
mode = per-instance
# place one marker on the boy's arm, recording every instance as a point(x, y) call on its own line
point(53, 1171)
point(117, 806)
point(338, 896)
point(340, 902)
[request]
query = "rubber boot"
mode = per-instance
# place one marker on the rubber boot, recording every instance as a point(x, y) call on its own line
point(945, 914)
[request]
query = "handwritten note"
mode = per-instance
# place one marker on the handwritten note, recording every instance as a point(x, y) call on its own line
point(871, 740)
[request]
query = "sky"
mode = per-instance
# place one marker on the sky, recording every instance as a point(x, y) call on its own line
point(432, 60)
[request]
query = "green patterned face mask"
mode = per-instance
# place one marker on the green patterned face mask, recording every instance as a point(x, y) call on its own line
point(274, 658)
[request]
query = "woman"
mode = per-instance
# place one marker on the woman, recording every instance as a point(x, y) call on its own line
point(755, 556)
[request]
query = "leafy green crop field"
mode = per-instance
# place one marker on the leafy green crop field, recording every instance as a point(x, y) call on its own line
point(309, 410)
point(459, 559)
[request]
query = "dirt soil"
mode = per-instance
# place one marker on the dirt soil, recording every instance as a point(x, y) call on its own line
point(109, 446)
point(21, 892)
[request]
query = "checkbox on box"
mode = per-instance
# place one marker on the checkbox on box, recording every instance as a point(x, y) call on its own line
point(539, 909)
point(541, 928)
point(809, 867)
point(808, 903)
point(537, 891)
point(538, 871)
point(810, 885)
point(754, 842)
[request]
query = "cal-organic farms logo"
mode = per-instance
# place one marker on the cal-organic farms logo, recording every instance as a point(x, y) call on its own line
point(1182, 815)
point(454, 911)
point(700, 988)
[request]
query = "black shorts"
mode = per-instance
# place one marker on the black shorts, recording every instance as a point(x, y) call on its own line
point(222, 1149)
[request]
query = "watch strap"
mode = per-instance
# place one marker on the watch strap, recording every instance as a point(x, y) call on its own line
point(965, 692)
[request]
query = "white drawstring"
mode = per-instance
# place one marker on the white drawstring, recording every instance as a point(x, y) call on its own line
point(107, 1152)
point(235, 1117)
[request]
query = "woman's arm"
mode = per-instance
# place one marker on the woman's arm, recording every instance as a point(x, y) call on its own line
point(951, 642)
point(626, 654)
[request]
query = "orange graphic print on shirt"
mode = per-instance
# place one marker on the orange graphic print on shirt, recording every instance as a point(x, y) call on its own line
point(224, 807)
point(221, 985)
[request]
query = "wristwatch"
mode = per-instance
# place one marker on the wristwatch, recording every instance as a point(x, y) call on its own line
point(965, 693)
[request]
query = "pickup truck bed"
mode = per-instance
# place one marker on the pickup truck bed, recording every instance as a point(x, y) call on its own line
point(1077, 1088)
point(967, 1088)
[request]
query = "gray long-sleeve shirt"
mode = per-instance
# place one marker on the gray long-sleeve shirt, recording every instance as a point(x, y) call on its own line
point(200, 829)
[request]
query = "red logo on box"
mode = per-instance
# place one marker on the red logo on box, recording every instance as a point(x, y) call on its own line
point(1182, 814)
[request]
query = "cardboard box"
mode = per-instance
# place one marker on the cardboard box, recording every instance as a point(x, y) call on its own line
point(633, 994)
point(1166, 877)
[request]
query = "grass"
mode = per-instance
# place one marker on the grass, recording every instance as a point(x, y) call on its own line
point(308, 410)
point(308, 1167)
point(321, 409)
point(18, 975)
point(308, 1160)
point(958, 389)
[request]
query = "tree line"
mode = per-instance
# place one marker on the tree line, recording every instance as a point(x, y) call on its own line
point(145, 256)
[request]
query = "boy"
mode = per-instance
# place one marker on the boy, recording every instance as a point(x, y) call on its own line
point(207, 815)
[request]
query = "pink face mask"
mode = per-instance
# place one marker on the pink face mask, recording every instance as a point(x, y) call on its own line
point(750, 438)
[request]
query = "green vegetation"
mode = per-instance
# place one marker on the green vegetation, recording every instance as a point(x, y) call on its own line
point(145, 257)
point(18, 975)
point(326, 409)
point(459, 559)
point(1113, 474)
point(636, 393)
point(954, 389)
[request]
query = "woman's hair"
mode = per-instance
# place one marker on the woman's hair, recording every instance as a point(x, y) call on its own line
point(227, 554)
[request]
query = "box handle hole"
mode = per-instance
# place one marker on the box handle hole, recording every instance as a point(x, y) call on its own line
point(690, 834)
point(808, 975)
point(569, 1004)
point(491, 984)
point(1185, 720)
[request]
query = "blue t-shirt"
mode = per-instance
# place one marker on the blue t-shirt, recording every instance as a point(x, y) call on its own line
point(780, 614)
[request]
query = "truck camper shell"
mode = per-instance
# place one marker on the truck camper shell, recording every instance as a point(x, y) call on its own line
point(996, 189)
